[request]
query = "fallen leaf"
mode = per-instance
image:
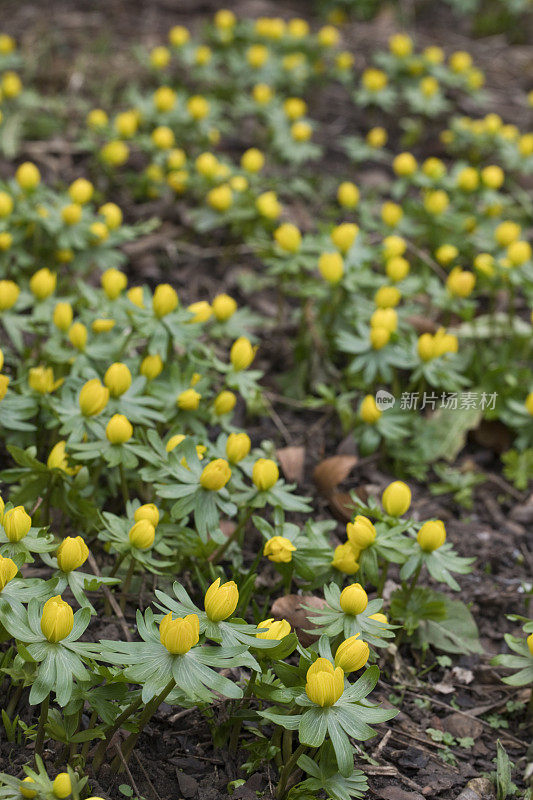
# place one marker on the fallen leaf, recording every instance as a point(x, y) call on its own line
point(460, 726)
point(342, 505)
point(395, 793)
point(332, 471)
point(292, 460)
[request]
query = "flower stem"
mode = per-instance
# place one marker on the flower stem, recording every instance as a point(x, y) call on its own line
point(126, 584)
point(102, 747)
point(237, 725)
point(124, 484)
point(287, 771)
point(39, 739)
point(217, 555)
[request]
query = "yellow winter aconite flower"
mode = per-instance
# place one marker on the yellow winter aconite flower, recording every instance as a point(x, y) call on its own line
point(344, 235)
point(159, 57)
point(387, 297)
point(179, 635)
point(401, 45)
point(7, 44)
point(71, 553)
point(62, 785)
point(57, 619)
point(28, 176)
point(519, 252)
point(237, 447)
point(97, 118)
point(142, 534)
point(429, 86)
point(81, 191)
point(460, 61)
point(119, 429)
point(325, 683)
point(162, 137)
point(379, 337)
point(112, 215)
point(9, 294)
point(352, 654)
point(257, 55)
point(268, 205)
point(279, 549)
point(220, 198)
point(113, 282)
point(529, 403)
point(242, 353)
point(201, 311)
point(348, 195)
point(404, 164)
point(446, 253)
point(344, 559)
point(361, 532)
point(431, 535)
point(41, 379)
point(288, 237)
point(27, 792)
point(136, 296)
point(436, 202)
point(224, 402)
point(377, 137)
point(262, 93)
point(507, 232)
point(301, 131)
point(8, 570)
point(165, 300)
point(396, 498)
point(368, 411)
point(252, 160)
point(331, 267)
point(468, 179)
point(6, 240)
point(17, 523)
point(93, 398)
point(460, 282)
point(374, 80)
point(164, 98)
point(189, 400)
point(6, 204)
point(115, 153)
point(223, 307)
point(353, 599)
point(215, 475)
point(294, 108)
point(151, 366)
point(265, 474)
point(102, 325)
point(384, 318)
point(391, 213)
point(220, 601)
point(58, 459)
point(178, 36)
point(4, 383)
point(275, 629)
point(43, 283)
point(78, 335)
point(198, 107)
point(63, 316)
point(397, 268)
point(117, 378)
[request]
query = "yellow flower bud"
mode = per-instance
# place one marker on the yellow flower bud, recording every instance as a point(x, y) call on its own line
point(460, 61)
point(529, 403)
point(391, 213)
point(328, 36)
point(97, 119)
point(71, 214)
point(215, 475)
point(446, 253)
point(117, 379)
point(344, 559)
point(115, 153)
point(98, 231)
point(178, 36)
point(431, 535)
point(352, 654)
point(262, 93)
point(279, 549)
point(142, 534)
point(369, 412)
point(163, 137)
point(189, 400)
point(404, 165)
point(62, 785)
point(242, 353)
point(8, 570)
point(223, 307)
point(57, 619)
point(119, 429)
point(343, 236)
point(288, 237)
point(268, 205)
point(4, 383)
point(353, 599)
point(81, 191)
point(224, 403)
point(518, 253)
point(506, 233)
point(401, 45)
point(325, 683)
point(63, 316)
point(17, 523)
point(237, 447)
point(257, 55)
point(147, 511)
point(436, 202)
point(78, 335)
point(387, 297)
point(221, 601)
point(377, 137)
point(93, 398)
point(379, 337)
point(331, 267)
point(71, 553)
point(165, 300)
point(468, 179)
point(198, 107)
point(43, 283)
point(57, 459)
point(9, 293)
point(301, 131)
point(397, 268)
point(265, 474)
point(159, 57)
point(151, 366)
point(460, 282)
point(102, 325)
point(361, 533)
point(112, 215)
point(7, 44)
point(220, 198)
point(201, 311)
point(113, 282)
point(348, 195)
point(381, 618)
point(179, 635)
point(252, 160)
point(27, 792)
point(275, 629)
point(28, 176)
point(529, 641)
point(41, 379)
point(6, 204)
point(374, 80)
point(396, 498)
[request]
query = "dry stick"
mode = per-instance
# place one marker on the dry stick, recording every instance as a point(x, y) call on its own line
point(130, 776)
point(150, 784)
point(115, 606)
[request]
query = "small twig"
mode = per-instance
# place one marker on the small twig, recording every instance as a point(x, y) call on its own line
point(113, 603)
point(125, 765)
point(141, 765)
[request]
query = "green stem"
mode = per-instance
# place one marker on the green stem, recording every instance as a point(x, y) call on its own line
point(104, 744)
point(287, 771)
point(126, 584)
point(237, 725)
point(123, 484)
point(409, 594)
point(383, 578)
point(87, 744)
point(217, 555)
point(14, 700)
point(39, 739)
